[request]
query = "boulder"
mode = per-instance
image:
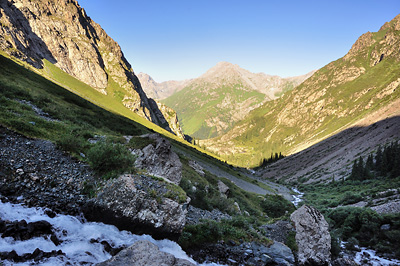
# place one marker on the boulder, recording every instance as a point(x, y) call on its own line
point(126, 203)
point(159, 160)
point(312, 236)
point(280, 253)
point(223, 189)
point(144, 253)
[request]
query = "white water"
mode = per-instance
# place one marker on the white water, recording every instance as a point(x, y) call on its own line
point(75, 235)
point(369, 255)
point(298, 197)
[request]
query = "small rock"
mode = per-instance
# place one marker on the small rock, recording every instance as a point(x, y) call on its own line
point(385, 227)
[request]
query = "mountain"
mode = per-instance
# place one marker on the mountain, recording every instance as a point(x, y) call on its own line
point(337, 96)
point(59, 33)
point(211, 104)
point(160, 91)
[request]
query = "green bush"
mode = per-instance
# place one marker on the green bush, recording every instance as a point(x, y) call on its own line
point(276, 206)
point(209, 231)
point(109, 159)
point(351, 198)
point(71, 143)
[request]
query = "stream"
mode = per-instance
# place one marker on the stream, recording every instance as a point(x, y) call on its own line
point(80, 241)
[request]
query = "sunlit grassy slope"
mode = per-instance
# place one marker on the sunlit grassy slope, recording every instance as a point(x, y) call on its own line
point(200, 107)
point(75, 105)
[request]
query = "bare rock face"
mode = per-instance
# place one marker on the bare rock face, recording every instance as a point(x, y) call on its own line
point(312, 236)
point(61, 32)
point(144, 253)
point(160, 160)
point(125, 203)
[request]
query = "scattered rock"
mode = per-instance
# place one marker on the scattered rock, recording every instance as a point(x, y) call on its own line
point(244, 254)
point(312, 236)
point(194, 215)
point(36, 173)
point(278, 231)
point(160, 160)
point(344, 262)
point(197, 167)
point(144, 253)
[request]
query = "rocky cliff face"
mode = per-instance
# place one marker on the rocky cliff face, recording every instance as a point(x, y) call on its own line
point(162, 90)
point(61, 32)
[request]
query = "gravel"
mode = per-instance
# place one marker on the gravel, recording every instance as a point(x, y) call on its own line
point(36, 173)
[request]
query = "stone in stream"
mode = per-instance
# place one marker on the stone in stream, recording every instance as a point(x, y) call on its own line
point(312, 236)
point(144, 253)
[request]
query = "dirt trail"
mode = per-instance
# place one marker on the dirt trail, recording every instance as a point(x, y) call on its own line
point(243, 184)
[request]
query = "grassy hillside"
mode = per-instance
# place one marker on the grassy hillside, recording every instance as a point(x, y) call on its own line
point(100, 114)
point(201, 110)
point(335, 97)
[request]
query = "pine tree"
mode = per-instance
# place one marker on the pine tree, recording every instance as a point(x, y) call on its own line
point(378, 159)
point(354, 171)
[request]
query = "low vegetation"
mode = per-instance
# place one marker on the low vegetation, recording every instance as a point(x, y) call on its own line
point(110, 160)
point(371, 183)
point(209, 231)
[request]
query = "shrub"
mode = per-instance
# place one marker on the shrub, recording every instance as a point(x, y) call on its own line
point(110, 159)
point(276, 206)
point(70, 142)
point(350, 198)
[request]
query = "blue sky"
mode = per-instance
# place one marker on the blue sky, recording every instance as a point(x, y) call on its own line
point(180, 39)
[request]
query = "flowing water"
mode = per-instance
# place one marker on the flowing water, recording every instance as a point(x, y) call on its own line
point(297, 198)
point(80, 240)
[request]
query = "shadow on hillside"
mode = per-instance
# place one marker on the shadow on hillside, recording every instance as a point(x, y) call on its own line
point(333, 157)
point(34, 50)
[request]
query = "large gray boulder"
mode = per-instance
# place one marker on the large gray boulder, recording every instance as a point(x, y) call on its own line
point(312, 236)
point(128, 204)
point(159, 160)
point(144, 253)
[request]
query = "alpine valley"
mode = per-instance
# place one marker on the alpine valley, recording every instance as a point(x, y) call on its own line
point(229, 168)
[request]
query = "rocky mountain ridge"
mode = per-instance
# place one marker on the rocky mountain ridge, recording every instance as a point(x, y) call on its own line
point(335, 98)
point(211, 104)
point(160, 90)
point(62, 33)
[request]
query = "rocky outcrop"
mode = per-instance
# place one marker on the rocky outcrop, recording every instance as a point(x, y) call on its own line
point(168, 118)
point(138, 204)
point(144, 253)
point(61, 32)
point(312, 236)
point(159, 160)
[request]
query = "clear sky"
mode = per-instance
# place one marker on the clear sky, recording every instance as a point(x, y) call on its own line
point(180, 39)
